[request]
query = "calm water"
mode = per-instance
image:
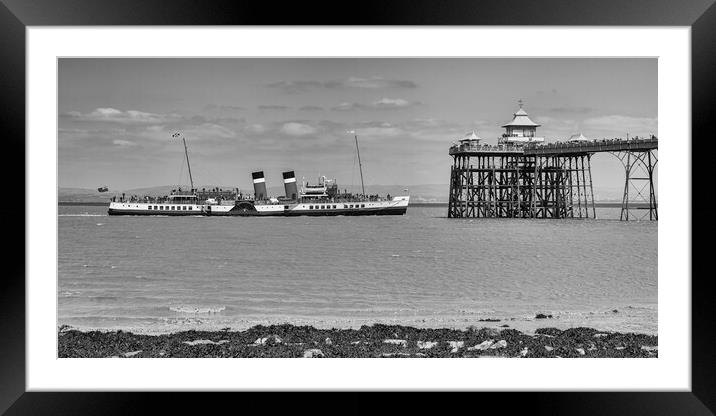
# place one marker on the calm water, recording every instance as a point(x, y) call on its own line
point(160, 274)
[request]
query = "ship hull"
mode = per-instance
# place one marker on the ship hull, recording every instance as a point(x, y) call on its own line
point(396, 206)
point(325, 213)
point(114, 211)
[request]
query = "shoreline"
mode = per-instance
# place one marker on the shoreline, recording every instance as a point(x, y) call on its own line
point(378, 340)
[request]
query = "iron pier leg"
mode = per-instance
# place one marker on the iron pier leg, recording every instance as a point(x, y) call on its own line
point(653, 211)
point(625, 198)
point(591, 188)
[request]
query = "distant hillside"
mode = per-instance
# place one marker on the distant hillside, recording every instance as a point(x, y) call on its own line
point(92, 195)
point(82, 195)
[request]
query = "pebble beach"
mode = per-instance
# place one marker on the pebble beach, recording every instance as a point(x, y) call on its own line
point(375, 341)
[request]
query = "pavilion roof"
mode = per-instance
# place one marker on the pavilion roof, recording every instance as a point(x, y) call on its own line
point(521, 119)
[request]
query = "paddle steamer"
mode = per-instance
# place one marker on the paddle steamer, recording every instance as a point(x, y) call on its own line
point(321, 199)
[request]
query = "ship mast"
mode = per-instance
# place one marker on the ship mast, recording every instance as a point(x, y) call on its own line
point(360, 166)
point(186, 153)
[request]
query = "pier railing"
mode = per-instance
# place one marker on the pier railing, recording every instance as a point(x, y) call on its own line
point(593, 146)
point(485, 148)
point(558, 148)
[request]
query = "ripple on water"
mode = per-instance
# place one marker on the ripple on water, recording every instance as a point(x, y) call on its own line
point(356, 270)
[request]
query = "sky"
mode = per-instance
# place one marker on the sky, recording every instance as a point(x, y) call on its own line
point(117, 116)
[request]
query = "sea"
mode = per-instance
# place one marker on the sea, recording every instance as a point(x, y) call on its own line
point(168, 274)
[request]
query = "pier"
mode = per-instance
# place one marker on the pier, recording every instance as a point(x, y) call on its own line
point(522, 177)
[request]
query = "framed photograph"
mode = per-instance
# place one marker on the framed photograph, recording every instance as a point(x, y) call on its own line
point(215, 192)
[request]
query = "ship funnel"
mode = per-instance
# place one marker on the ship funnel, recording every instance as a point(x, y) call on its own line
point(259, 185)
point(289, 185)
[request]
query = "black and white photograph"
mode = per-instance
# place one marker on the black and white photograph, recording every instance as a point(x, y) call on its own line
point(429, 197)
point(357, 207)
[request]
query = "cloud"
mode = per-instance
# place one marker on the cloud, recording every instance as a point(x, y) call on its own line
point(388, 103)
point(433, 125)
point(554, 122)
point(297, 129)
point(572, 110)
point(113, 115)
point(424, 129)
point(311, 108)
point(553, 91)
point(124, 143)
point(210, 130)
point(197, 119)
point(382, 104)
point(141, 118)
point(345, 106)
point(382, 131)
point(557, 128)
point(256, 129)
point(426, 122)
point(292, 87)
point(623, 124)
point(273, 107)
point(220, 107)
point(112, 127)
point(375, 82)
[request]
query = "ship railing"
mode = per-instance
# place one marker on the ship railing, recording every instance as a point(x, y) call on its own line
point(344, 200)
point(323, 201)
point(158, 200)
point(305, 200)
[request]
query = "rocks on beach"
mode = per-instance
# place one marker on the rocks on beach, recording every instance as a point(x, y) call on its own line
point(456, 345)
point(426, 345)
point(273, 339)
point(378, 340)
point(313, 353)
point(498, 344)
point(400, 342)
point(482, 346)
point(205, 341)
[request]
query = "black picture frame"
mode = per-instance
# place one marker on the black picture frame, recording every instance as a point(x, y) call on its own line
point(16, 15)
